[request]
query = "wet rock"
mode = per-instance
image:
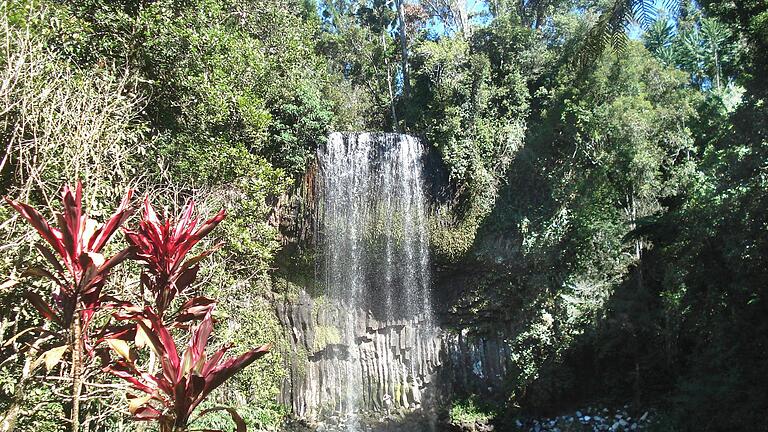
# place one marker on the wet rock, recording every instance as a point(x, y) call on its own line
point(610, 420)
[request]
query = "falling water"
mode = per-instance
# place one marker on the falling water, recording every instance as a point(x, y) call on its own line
point(375, 269)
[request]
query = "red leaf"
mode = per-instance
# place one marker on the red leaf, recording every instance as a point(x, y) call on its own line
point(49, 234)
point(50, 257)
point(184, 221)
point(199, 304)
point(225, 370)
point(200, 334)
point(159, 329)
point(116, 259)
point(41, 272)
point(215, 359)
point(86, 267)
point(197, 258)
point(210, 224)
point(181, 401)
point(45, 310)
point(149, 212)
point(185, 279)
point(154, 340)
point(104, 234)
point(122, 332)
point(113, 302)
point(196, 385)
point(161, 341)
point(146, 413)
point(70, 219)
point(89, 276)
point(193, 309)
point(163, 246)
point(122, 370)
point(197, 342)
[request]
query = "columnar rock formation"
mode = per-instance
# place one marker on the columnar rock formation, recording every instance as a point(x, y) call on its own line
point(395, 362)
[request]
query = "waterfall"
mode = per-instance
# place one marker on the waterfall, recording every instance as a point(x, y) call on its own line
point(380, 341)
point(373, 224)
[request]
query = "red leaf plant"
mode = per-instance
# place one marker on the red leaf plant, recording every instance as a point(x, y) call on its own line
point(163, 247)
point(185, 379)
point(79, 268)
point(79, 272)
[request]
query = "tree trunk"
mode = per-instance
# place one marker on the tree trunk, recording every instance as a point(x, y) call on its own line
point(170, 427)
point(462, 16)
point(77, 370)
point(717, 69)
point(389, 86)
point(10, 416)
point(404, 48)
point(8, 421)
point(638, 384)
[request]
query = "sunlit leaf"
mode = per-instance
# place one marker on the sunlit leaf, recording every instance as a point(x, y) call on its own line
point(53, 356)
point(121, 347)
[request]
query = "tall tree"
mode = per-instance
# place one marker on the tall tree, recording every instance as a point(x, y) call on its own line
point(403, 28)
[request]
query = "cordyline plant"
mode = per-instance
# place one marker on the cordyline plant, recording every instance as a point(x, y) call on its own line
point(185, 379)
point(79, 274)
point(163, 247)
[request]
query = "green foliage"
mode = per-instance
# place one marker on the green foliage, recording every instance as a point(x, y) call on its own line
point(48, 410)
point(630, 220)
point(472, 100)
point(704, 48)
point(221, 73)
point(605, 154)
point(325, 335)
point(253, 392)
point(607, 150)
point(469, 411)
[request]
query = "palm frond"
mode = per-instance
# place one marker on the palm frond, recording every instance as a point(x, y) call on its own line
point(644, 12)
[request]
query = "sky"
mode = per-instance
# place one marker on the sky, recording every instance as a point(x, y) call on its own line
point(478, 11)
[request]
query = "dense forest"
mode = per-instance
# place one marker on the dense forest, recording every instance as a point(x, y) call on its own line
point(606, 192)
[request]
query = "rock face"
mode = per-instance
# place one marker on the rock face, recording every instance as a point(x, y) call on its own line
point(404, 365)
point(398, 362)
point(475, 364)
